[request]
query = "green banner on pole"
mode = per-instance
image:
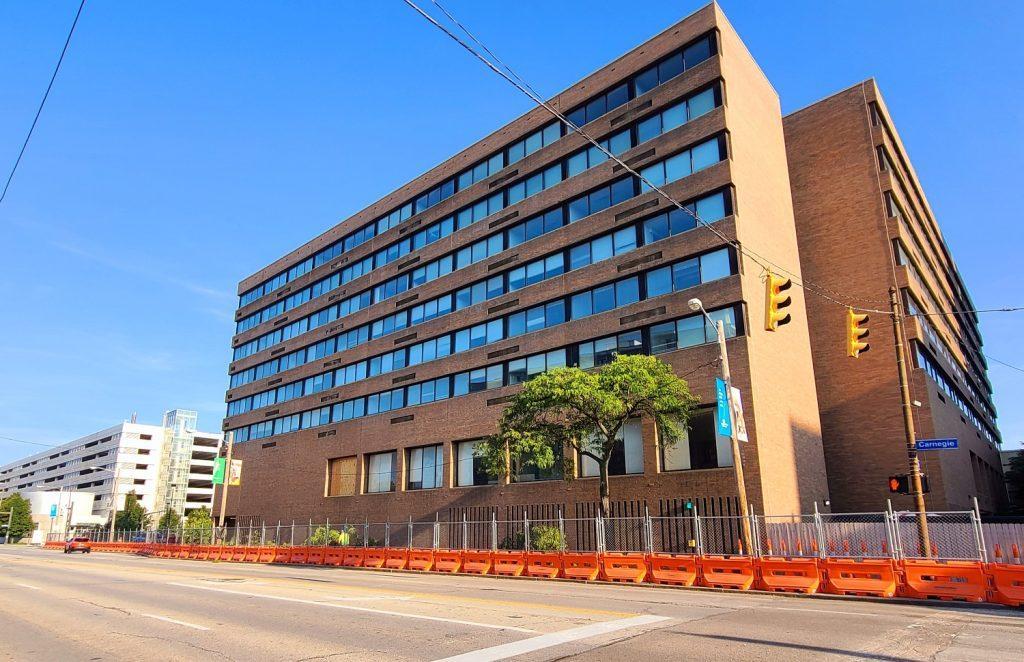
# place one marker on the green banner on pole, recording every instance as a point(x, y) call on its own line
point(218, 471)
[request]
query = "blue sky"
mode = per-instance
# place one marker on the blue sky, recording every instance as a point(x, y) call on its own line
point(187, 144)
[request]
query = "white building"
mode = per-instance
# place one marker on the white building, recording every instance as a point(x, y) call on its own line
point(168, 466)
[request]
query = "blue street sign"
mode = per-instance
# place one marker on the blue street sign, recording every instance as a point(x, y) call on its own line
point(936, 444)
point(724, 418)
point(53, 510)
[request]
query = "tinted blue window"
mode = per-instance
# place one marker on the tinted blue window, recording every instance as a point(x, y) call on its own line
point(659, 282)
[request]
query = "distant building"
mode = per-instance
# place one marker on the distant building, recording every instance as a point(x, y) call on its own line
point(168, 466)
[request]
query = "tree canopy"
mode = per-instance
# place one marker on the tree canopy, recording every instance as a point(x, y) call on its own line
point(169, 520)
point(21, 523)
point(584, 411)
point(133, 516)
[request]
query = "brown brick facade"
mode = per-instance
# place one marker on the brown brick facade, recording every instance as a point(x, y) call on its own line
point(844, 199)
point(286, 475)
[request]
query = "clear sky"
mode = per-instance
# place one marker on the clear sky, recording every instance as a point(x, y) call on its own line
point(188, 144)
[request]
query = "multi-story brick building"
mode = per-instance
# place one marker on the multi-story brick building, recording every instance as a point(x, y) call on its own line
point(864, 225)
point(367, 361)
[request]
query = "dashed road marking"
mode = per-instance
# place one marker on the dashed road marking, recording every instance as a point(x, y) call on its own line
point(175, 621)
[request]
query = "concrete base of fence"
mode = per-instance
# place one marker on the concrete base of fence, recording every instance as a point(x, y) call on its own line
point(962, 581)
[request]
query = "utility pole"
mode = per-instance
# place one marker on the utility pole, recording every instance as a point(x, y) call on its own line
point(908, 424)
point(227, 478)
point(10, 522)
point(113, 498)
point(737, 460)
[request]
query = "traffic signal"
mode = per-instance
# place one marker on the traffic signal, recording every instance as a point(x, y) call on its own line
point(856, 329)
point(775, 300)
point(900, 484)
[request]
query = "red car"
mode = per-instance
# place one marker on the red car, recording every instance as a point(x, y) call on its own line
point(79, 544)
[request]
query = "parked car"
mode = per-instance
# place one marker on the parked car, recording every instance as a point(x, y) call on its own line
point(77, 544)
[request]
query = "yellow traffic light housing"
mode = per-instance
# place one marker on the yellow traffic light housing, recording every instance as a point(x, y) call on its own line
point(856, 331)
point(775, 300)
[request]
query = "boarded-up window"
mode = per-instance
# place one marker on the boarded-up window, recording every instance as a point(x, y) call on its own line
point(341, 476)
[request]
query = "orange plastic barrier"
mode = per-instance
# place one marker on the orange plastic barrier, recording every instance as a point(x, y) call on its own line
point(204, 552)
point(788, 575)
point(396, 559)
point(265, 555)
point(581, 565)
point(352, 557)
point(678, 570)
point(875, 577)
point(477, 563)
point(623, 567)
point(734, 572)
point(181, 552)
point(1006, 584)
point(448, 560)
point(281, 554)
point(421, 559)
point(944, 580)
point(252, 555)
point(333, 556)
point(193, 551)
point(212, 552)
point(237, 554)
point(298, 555)
point(374, 557)
point(315, 555)
point(543, 564)
point(509, 563)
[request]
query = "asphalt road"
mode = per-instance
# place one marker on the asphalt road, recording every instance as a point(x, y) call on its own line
point(119, 607)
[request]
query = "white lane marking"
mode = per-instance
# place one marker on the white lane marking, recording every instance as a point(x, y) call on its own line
point(831, 611)
point(396, 598)
point(353, 608)
point(175, 621)
point(524, 646)
point(34, 588)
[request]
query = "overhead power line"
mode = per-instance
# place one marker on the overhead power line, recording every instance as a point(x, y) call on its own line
point(1003, 363)
point(523, 86)
point(25, 441)
point(42, 103)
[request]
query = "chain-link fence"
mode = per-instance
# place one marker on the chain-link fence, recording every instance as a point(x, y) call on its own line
point(936, 535)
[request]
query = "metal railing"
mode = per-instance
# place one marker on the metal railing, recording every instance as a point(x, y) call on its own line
point(952, 535)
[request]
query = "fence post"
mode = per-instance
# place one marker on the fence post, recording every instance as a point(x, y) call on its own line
point(366, 533)
point(465, 532)
point(819, 527)
point(561, 530)
point(697, 531)
point(526, 532)
point(755, 544)
point(648, 532)
point(494, 532)
point(408, 544)
point(892, 526)
point(979, 533)
point(292, 544)
point(437, 530)
point(327, 535)
point(387, 534)
point(599, 532)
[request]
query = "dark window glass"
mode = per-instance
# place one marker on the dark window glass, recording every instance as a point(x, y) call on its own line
point(670, 68)
point(686, 274)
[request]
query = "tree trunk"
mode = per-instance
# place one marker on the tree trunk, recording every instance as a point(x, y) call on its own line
point(606, 503)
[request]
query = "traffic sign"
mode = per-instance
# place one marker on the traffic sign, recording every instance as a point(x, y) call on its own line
point(936, 444)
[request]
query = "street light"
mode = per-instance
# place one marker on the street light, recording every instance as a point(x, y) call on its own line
point(113, 496)
point(737, 461)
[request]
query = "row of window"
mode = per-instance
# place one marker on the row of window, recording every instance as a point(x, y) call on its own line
point(663, 337)
point(663, 225)
point(699, 448)
point(708, 209)
point(642, 83)
point(664, 280)
point(932, 369)
point(690, 108)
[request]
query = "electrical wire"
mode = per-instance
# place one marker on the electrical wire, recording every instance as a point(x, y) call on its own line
point(524, 87)
point(1003, 363)
point(25, 441)
point(42, 103)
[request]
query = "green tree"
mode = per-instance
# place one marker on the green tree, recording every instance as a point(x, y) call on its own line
point(169, 520)
point(133, 515)
point(199, 526)
point(20, 522)
point(584, 411)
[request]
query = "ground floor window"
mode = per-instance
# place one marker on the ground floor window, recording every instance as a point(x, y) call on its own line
point(341, 476)
point(701, 447)
point(426, 468)
point(380, 472)
point(627, 454)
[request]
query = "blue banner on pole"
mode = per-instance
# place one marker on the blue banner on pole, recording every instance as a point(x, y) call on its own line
point(724, 417)
point(53, 510)
point(936, 444)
